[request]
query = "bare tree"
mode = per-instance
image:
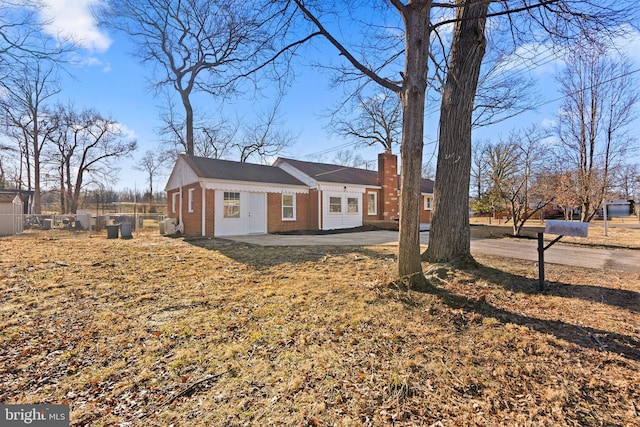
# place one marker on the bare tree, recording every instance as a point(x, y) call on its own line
point(449, 238)
point(152, 163)
point(201, 45)
point(479, 167)
point(378, 120)
point(4, 149)
point(26, 119)
point(516, 169)
point(566, 191)
point(87, 144)
point(22, 39)
point(626, 182)
point(349, 158)
point(599, 99)
point(383, 43)
point(560, 20)
point(216, 141)
point(415, 28)
point(212, 138)
point(265, 137)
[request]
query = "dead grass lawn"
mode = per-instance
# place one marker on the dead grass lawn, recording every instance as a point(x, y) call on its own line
point(157, 331)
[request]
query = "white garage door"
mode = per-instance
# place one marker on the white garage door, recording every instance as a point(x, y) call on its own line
point(240, 213)
point(341, 210)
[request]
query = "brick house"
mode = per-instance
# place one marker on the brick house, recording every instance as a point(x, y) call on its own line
point(211, 197)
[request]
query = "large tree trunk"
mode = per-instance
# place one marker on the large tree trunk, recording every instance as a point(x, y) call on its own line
point(449, 236)
point(412, 96)
point(188, 109)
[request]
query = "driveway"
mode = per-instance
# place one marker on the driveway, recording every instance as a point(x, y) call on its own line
point(606, 259)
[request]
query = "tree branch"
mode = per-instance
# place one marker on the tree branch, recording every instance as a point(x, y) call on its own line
point(345, 52)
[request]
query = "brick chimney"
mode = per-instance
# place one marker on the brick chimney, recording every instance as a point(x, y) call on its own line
point(388, 179)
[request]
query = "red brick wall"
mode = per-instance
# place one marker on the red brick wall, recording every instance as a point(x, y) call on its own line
point(425, 214)
point(192, 220)
point(388, 177)
point(209, 212)
point(314, 210)
point(274, 213)
point(170, 213)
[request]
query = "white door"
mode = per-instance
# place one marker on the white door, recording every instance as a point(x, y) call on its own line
point(256, 211)
point(342, 210)
point(245, 213)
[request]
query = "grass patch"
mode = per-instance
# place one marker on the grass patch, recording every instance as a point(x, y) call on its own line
point(155, 331)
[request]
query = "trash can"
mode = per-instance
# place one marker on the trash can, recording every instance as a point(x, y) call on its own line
point(47, 224)
point(112, 231)
point(125, 230)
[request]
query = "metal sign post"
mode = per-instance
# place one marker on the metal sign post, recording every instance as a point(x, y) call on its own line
point(561, 228)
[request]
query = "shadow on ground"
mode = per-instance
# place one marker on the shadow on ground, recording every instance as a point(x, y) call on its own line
point(588, 337)
point(622, 298)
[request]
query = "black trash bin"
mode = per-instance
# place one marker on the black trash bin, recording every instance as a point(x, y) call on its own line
point(112, 231)
point(126, 229)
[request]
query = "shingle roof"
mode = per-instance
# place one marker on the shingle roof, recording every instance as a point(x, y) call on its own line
point(238, 171)
point(426, 186)
point(324, 172)
point(7, 198)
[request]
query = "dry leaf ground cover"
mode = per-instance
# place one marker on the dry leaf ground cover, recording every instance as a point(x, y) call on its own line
point(157, 331)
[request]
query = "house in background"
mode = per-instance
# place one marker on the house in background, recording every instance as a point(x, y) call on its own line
point(210, 197)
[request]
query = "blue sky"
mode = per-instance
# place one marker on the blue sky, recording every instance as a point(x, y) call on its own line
point(109, 79)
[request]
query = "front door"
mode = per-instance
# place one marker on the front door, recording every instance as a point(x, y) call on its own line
point(256, 213)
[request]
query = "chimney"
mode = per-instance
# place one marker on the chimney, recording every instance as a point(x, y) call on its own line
point(388, 179)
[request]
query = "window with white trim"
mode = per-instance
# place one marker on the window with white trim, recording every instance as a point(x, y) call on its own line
point(231, 205)
point(288, 207)
point(352, 205)
point(190, 203)
point(372, 203)
point(428, 200)
point(335, 204)
point(174, 202)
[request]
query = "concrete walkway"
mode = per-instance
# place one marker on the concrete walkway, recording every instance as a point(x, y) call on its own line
point(606, 259)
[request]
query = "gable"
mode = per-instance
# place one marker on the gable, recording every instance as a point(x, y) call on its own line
point(182, 174)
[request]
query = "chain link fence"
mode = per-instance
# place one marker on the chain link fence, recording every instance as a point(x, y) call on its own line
point(83, 222)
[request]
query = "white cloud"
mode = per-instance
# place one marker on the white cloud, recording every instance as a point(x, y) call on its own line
point(125, 130)
point(629, 43)
point(549, 123)
point(73, 19)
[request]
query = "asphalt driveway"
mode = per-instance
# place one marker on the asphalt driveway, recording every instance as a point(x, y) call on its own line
point(606, 259)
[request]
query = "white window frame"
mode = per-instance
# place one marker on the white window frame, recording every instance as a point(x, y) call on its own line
point(224, 205)
point(375, 203)
point(190, 199)
point(174, 202)
point(357, 205)
point(428, 203)
point(330, 212)
point(293, 206)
